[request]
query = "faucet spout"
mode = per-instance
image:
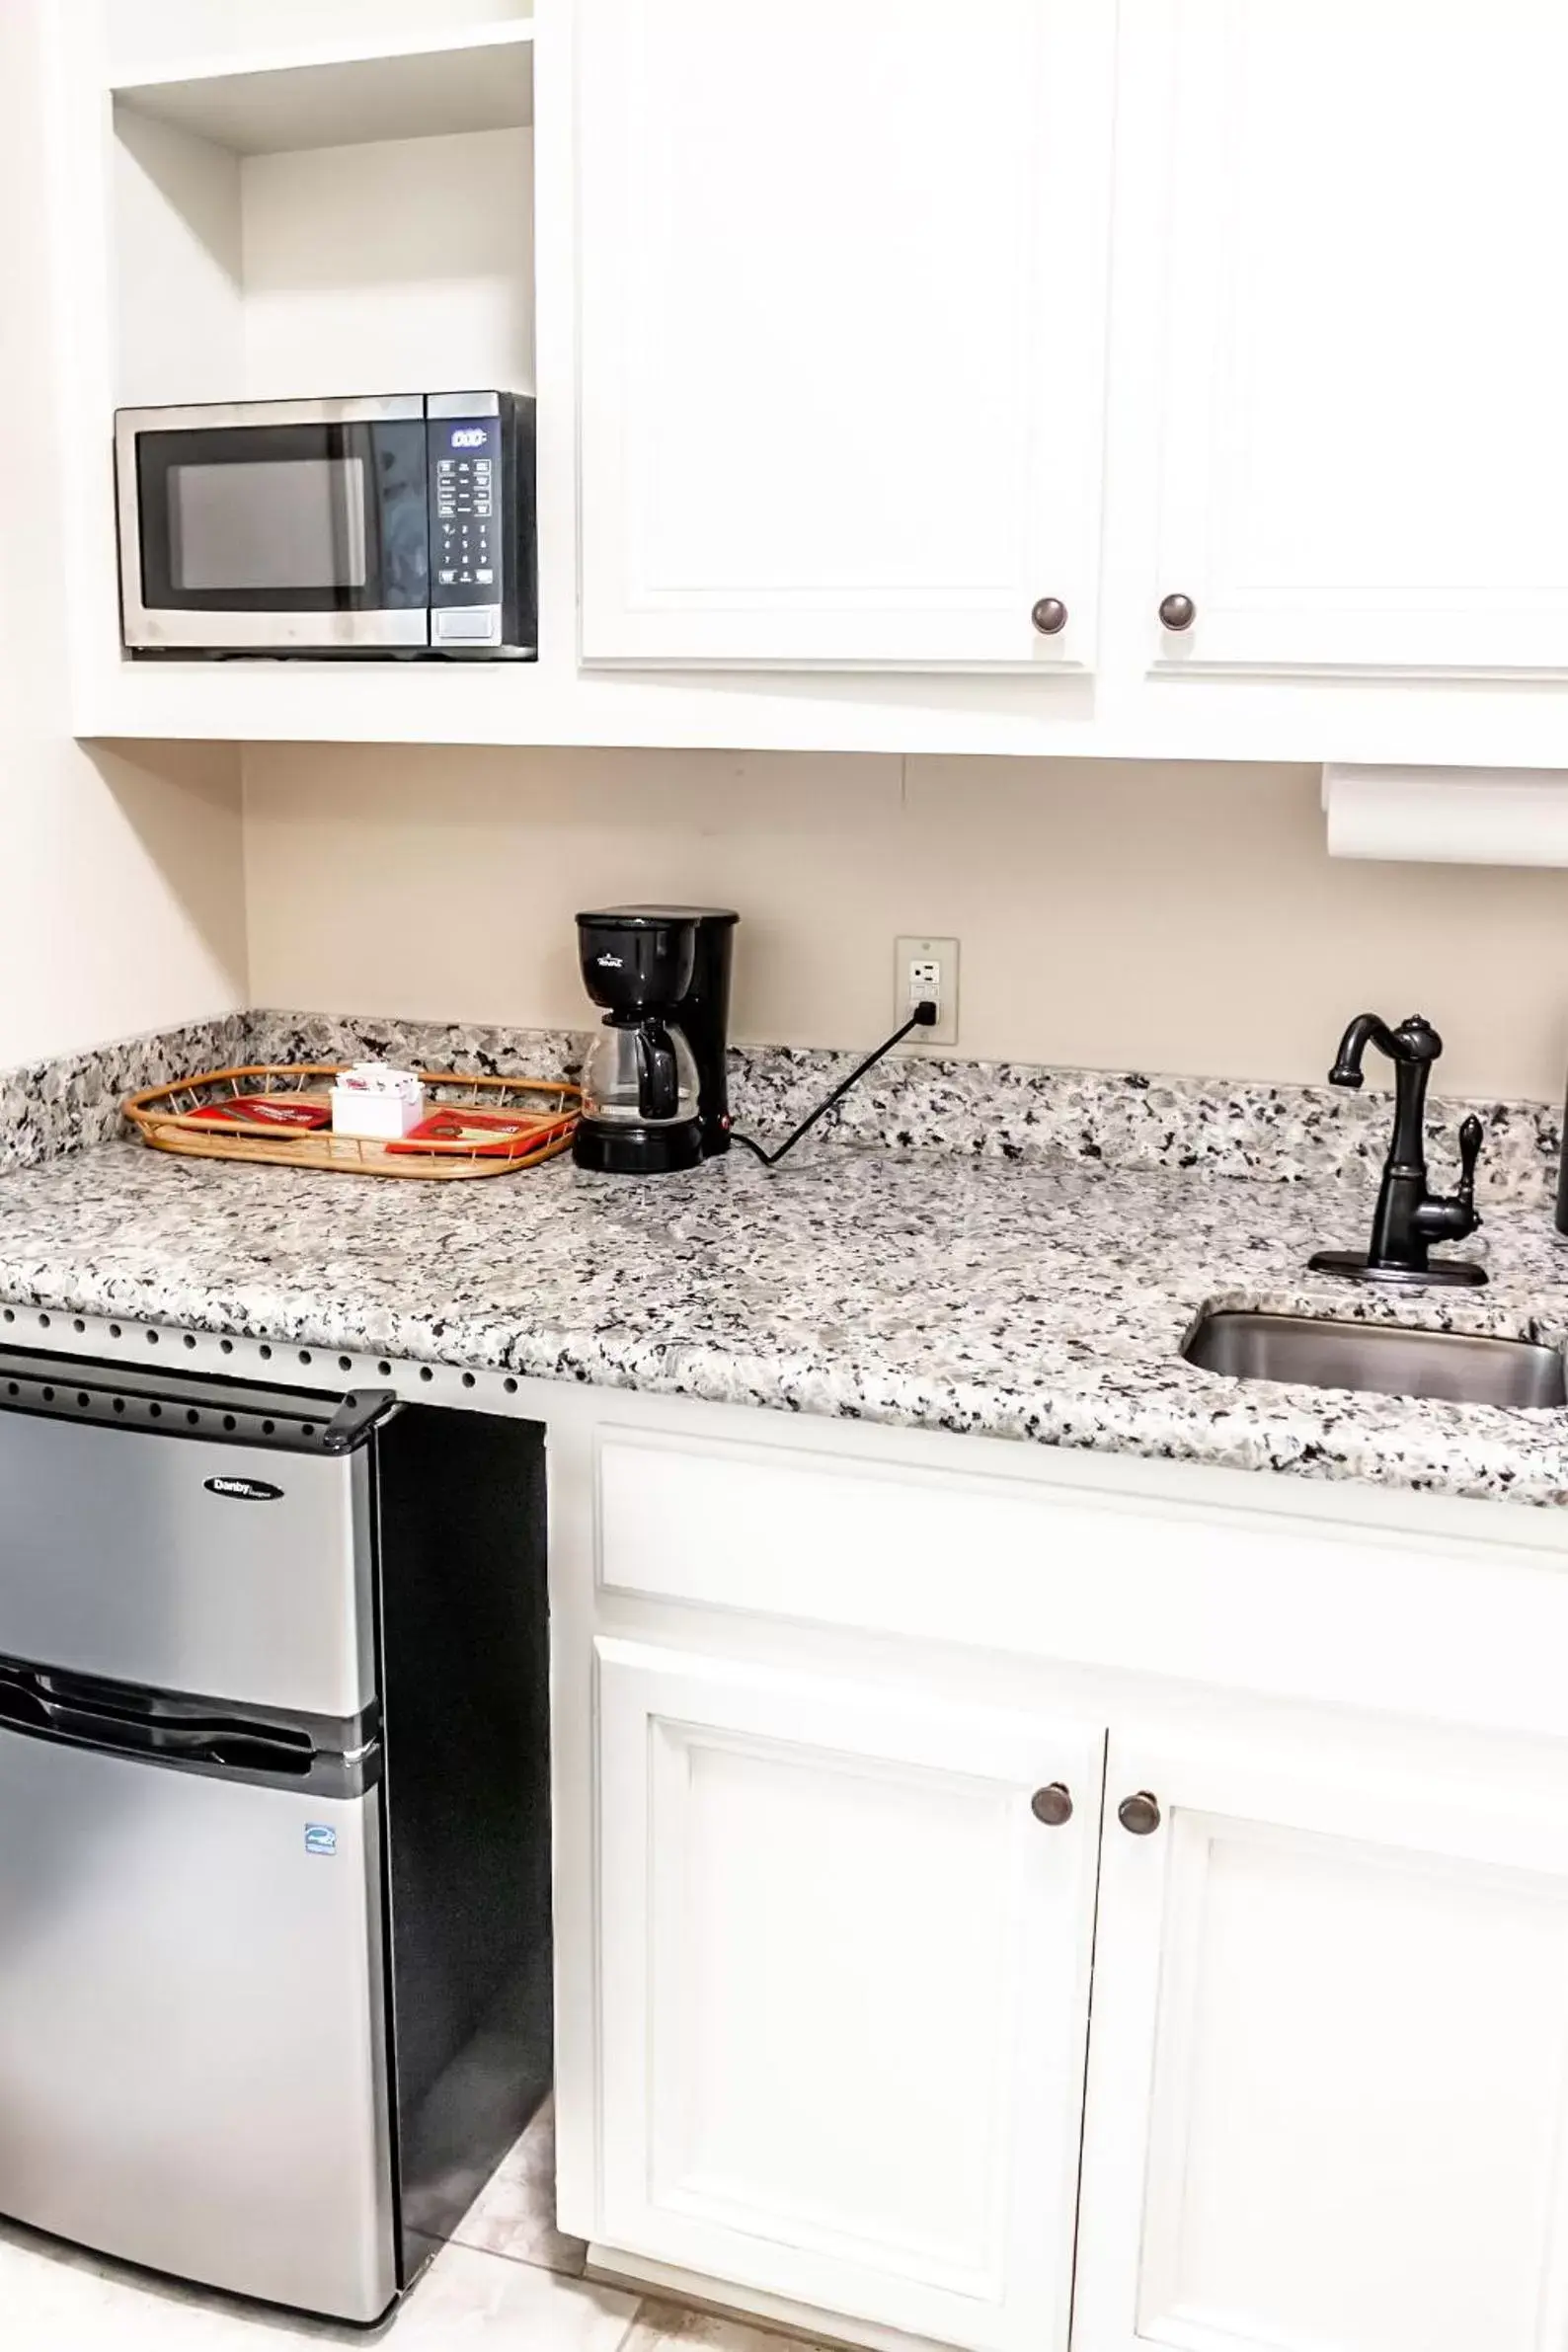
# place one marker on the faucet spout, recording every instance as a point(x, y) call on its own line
point(1366, 1030)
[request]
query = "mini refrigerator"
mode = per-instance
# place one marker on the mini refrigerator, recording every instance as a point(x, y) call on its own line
point(275, 1844)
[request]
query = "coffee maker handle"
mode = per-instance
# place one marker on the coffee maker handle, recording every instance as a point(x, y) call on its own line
point(658, 1079)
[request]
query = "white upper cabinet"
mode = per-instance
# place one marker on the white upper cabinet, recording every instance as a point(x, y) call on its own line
point(1347, 226)
point(896, 360)
point(842, 279)
point(1328, 2077)
point(844, 1985)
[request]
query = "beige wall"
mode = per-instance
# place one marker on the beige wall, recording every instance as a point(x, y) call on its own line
point(122, 871)
point(1156, 917)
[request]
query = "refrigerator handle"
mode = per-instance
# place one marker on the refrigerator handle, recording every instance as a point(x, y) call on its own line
point(238, 1742)
point(26, 1709)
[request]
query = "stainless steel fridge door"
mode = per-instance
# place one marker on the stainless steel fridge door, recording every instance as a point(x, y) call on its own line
point(192, 2029)
point(129, 1554)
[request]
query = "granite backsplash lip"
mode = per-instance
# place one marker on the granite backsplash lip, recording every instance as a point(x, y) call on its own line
point(71, 1101)
point(1007, 1110)
point(1044, 1303)
point(911, 1103)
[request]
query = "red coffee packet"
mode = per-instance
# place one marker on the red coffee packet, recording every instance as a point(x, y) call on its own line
point(490, 1135)
point(266, 1109)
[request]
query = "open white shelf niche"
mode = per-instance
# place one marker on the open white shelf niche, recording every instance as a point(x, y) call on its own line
point(400, 265)
point(267, 200)
point(349, 211)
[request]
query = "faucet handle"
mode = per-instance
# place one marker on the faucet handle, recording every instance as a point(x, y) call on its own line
point(1471, 1135)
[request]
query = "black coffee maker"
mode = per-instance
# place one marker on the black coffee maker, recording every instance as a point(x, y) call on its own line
point(656, 1092)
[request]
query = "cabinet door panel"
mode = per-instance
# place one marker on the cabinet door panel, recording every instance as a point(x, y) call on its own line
point(843, 313)
point(844, 1989)
point(1326, 2096)
point(1364, 377)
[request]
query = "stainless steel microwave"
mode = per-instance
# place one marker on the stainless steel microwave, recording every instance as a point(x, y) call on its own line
point(399, 526)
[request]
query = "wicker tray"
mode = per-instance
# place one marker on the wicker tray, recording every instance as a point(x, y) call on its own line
point(162, 1116)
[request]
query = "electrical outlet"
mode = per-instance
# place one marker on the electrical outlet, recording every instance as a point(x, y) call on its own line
point(927, 968)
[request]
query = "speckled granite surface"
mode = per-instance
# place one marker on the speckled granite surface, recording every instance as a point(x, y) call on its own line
point(1040, 1301)
point(1005, 1111)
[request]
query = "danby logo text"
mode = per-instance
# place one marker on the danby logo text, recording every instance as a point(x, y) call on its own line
point(245, 1490)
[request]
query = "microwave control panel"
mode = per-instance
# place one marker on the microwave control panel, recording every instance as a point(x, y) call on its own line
point(465, 510)
point(484, 581)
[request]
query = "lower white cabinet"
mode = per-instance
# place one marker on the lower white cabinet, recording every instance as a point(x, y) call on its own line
point(1328, 2066)
point(845, 1993)
point(1263, 2048)
point(845, 1982)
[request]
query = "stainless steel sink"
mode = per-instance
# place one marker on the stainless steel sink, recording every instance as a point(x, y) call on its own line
point(1383, 1357)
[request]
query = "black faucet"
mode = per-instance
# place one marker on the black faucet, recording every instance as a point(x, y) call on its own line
point(1408, 1218)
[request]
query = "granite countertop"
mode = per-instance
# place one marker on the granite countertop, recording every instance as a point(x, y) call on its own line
point(1043, 1301)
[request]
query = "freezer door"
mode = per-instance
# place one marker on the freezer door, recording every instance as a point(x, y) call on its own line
point(152, 1559)
point(193, 2030)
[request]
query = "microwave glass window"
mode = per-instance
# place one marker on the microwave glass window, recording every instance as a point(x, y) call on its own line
point(291, 523)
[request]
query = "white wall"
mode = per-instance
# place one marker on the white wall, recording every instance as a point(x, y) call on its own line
point(123, 904)
point(1119, 917)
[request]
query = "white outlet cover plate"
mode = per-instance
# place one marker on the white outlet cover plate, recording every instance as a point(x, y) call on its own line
point(943, 953)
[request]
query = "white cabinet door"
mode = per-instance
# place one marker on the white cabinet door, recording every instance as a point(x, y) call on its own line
point(1326, 2098)
point(844, 1993)
point(1363, 394)
point(843, 287)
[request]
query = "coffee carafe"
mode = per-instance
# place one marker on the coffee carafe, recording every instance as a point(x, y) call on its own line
point(655, 1086)
point(640, 1072)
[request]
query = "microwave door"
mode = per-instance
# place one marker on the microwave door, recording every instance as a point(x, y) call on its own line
point(283, 527)
point(270, 522)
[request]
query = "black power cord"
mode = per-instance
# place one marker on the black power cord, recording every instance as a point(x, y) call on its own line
point(924, 1016)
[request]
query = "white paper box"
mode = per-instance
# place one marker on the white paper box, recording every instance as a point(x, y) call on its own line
point(381, 1117)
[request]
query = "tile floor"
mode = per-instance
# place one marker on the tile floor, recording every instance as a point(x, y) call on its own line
point(510, 2281)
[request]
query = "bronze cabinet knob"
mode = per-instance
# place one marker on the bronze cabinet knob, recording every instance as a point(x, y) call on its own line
point(1049, 616)
point(1139, 1816)
point(1052, 1805)
point(1177, 613)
